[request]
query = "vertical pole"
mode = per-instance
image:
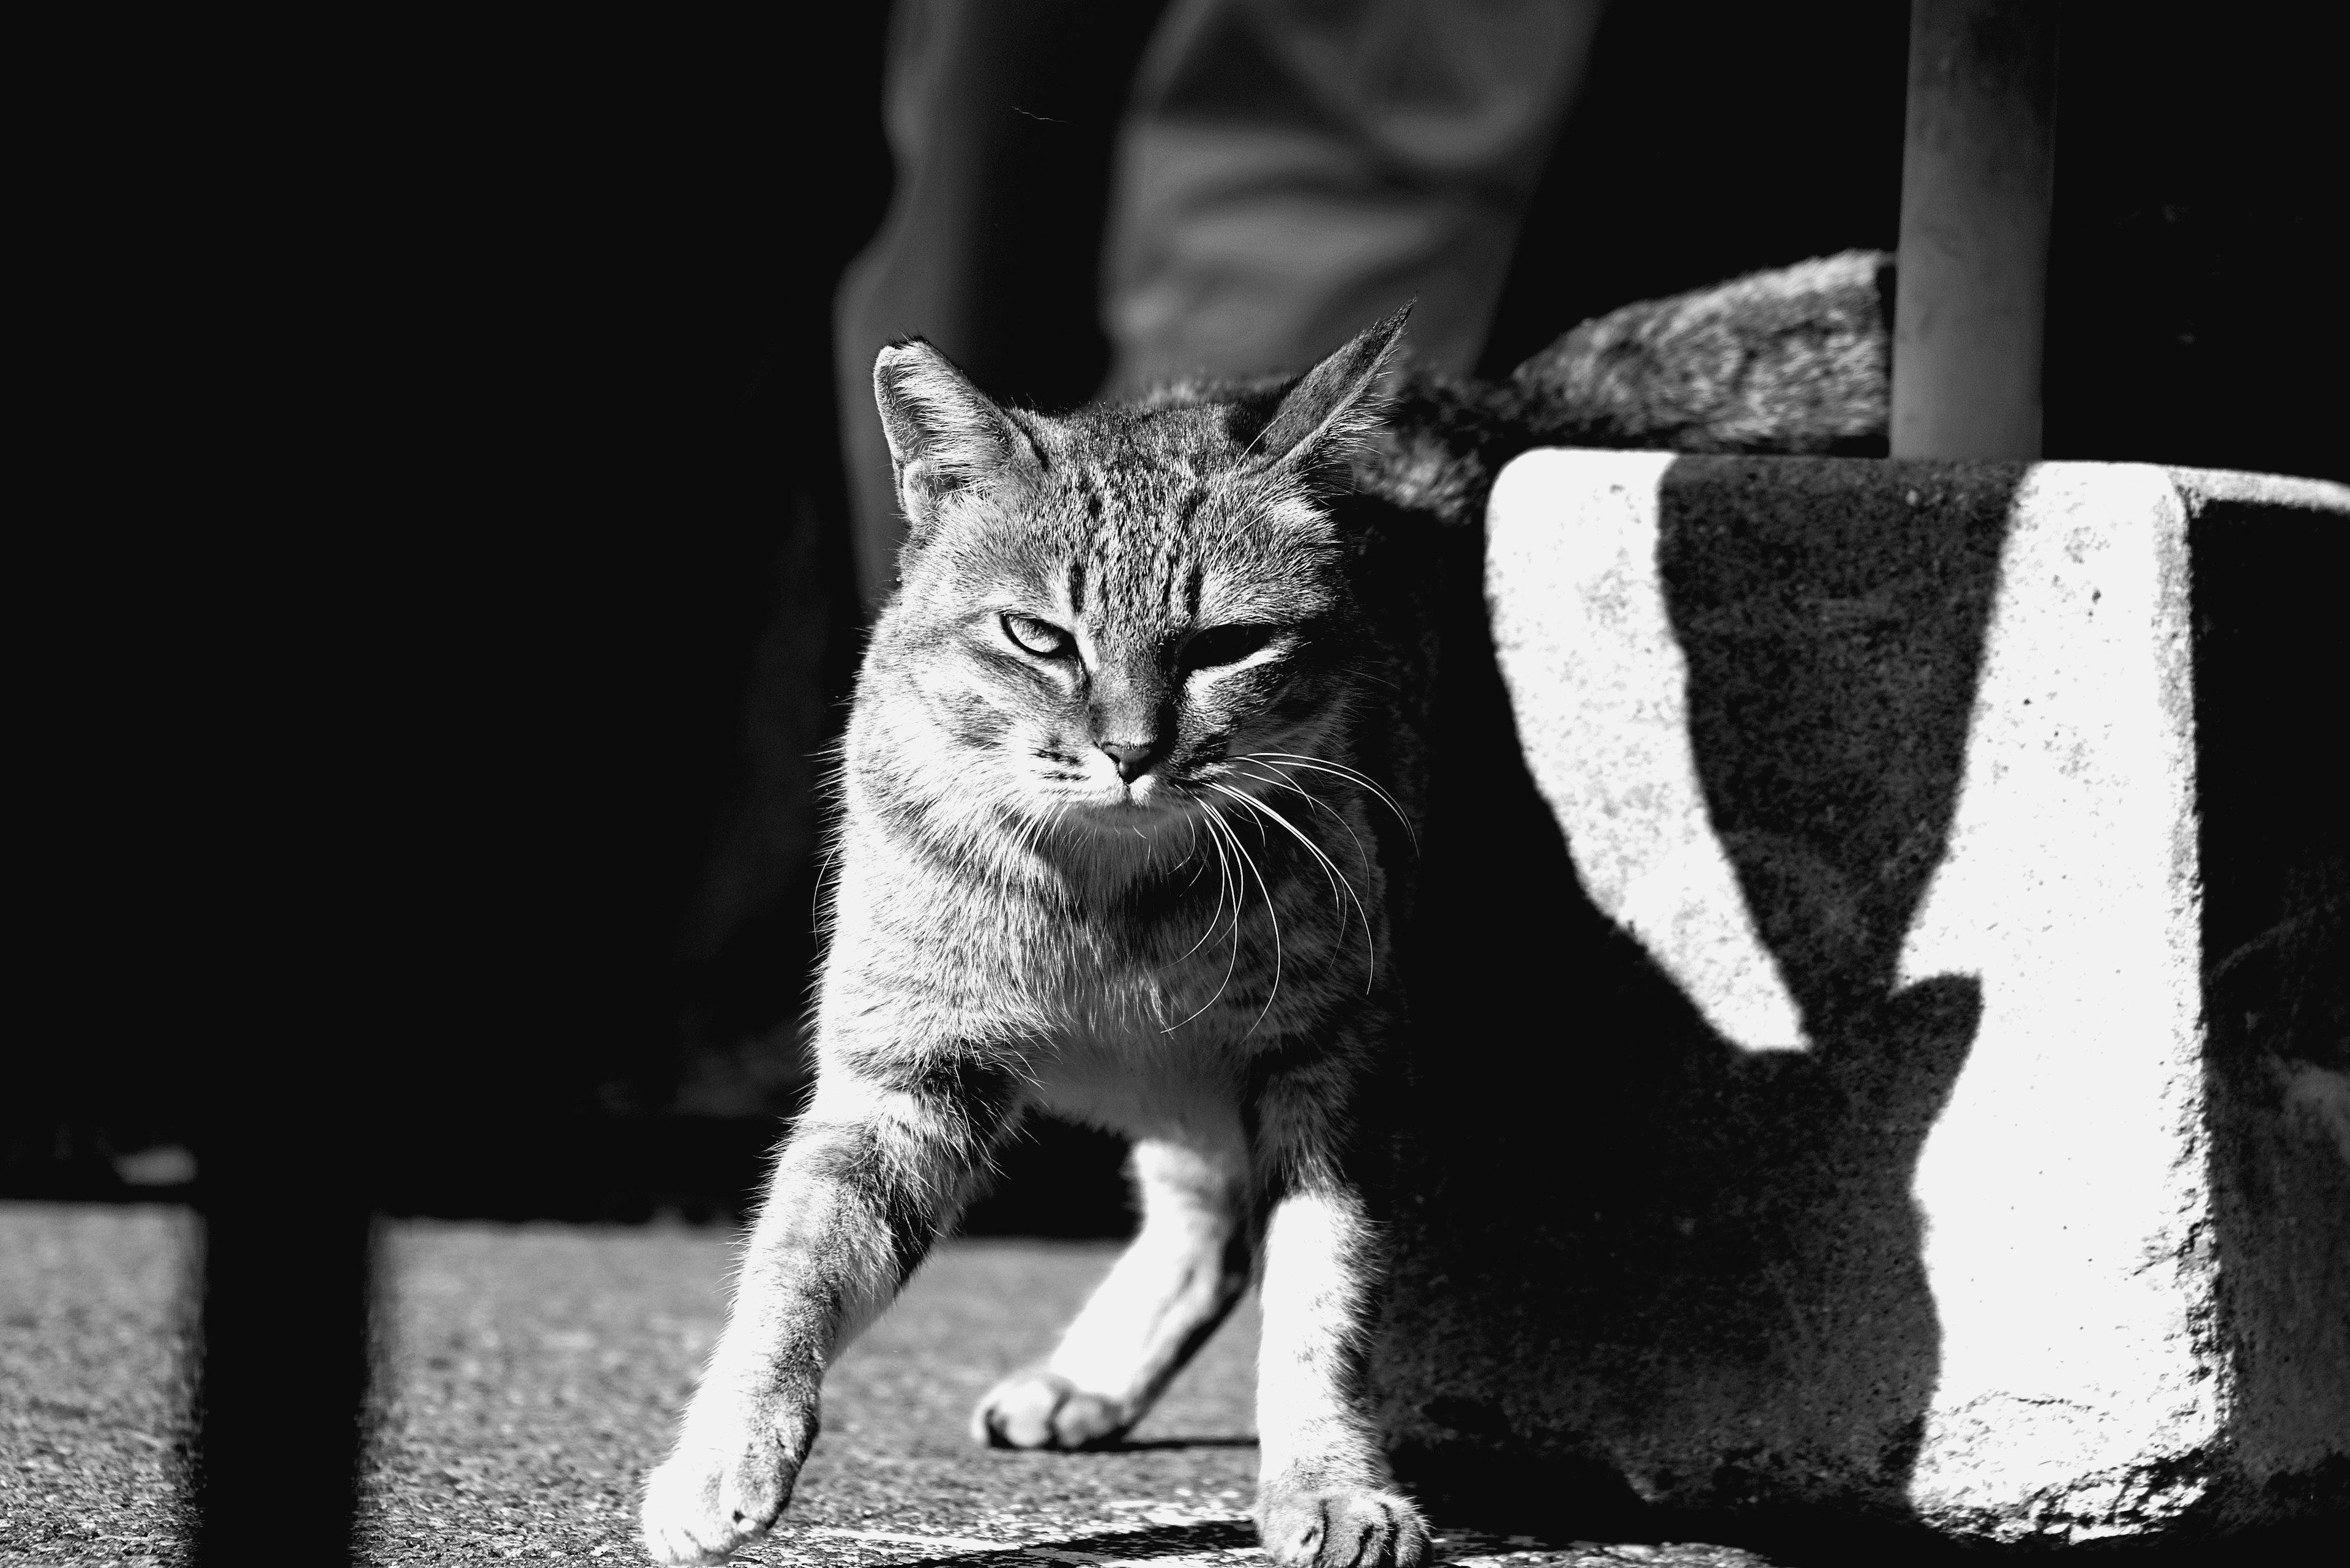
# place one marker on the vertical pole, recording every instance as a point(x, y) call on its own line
point(1977, 170)
point(286, 1263)
point(298, 1046)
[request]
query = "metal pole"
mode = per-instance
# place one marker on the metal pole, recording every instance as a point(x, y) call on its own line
point(284, 1369)
point(1977, 170)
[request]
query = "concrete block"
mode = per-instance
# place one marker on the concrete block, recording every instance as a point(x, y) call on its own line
point(1906, 1075)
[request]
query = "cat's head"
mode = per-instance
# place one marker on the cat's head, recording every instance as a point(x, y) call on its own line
point(1108, 617)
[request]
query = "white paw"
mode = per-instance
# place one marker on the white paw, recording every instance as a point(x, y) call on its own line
point(1341, 1527)
point(1042, 1409)
point(711, 1498)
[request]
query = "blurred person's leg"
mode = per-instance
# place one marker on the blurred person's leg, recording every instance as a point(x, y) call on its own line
point(1293, 169)
point(1001, 118)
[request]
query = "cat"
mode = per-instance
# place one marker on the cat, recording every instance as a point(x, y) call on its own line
point(1129, 801)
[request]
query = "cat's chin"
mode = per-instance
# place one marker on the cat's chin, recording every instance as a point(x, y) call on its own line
point(1141, 811)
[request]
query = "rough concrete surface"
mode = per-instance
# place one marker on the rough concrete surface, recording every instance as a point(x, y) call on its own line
point(1881, 913)
point(93, 1382)
point(531, 1377)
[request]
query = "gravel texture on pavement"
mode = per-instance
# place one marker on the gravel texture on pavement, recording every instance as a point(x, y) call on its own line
point(93, 1382)
point(531, 1375)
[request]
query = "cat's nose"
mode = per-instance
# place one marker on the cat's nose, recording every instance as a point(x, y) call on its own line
point(1133, 758)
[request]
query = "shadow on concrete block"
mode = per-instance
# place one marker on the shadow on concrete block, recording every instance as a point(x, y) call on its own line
point(1813, 1091)
point(2275, 843)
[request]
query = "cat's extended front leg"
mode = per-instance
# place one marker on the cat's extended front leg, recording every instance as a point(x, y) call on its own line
point(870, 1178)
point(1324, 1496)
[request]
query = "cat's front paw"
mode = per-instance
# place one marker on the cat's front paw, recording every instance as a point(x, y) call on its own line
point(714, 1496)
point(1341, 1527)
point(1040, 1410)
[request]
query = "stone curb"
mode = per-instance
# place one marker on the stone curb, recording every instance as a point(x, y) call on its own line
point(1947, 895)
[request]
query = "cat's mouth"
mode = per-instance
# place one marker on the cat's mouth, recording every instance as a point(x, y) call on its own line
point(1147, 794)
point(1126, 807)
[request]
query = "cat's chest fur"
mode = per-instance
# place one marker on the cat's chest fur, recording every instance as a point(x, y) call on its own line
point(1126, 1006)
point(1154, 1023)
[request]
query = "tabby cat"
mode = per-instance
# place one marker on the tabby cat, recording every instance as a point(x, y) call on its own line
point(1127, 836)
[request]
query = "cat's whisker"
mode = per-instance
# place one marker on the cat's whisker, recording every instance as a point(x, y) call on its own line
point(823, 870)
point(1191, 857)
point(1002, 855)
point(1218, 830)
point(1028, 841)
point(1272, 914)
point(1282, 780)
point(831, 791)
point(1362, 856)
point(1223, 881)
point(1239, 888)
point(1291, 759)
point(1336, 878)
point(1338, 899)
point(1060, 814)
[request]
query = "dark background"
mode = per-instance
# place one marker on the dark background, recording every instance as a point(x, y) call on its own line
point(441, 580)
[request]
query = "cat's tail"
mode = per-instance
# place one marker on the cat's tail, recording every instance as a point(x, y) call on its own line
point(1795, 359)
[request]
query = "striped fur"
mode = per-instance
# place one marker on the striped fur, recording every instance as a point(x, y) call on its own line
point(1131, 789)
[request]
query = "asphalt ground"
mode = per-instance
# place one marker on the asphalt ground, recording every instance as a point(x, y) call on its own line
point(531, 1375)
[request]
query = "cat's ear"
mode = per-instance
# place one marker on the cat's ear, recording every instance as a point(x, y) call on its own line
point(945, 436)
point(1336, 406)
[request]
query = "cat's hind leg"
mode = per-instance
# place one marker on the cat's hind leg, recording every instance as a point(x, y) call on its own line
point(1178, 1280)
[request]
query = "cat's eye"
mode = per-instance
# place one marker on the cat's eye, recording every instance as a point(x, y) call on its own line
point(1042, 638)
point(1226, 644)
